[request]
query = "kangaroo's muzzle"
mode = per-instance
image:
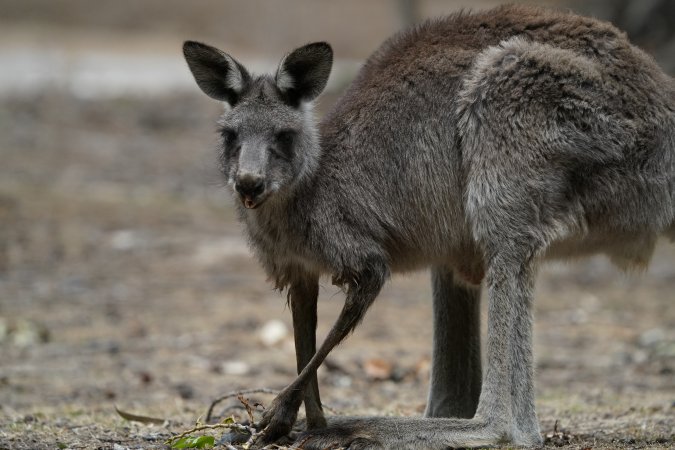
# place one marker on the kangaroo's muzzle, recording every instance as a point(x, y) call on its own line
point(250, 189)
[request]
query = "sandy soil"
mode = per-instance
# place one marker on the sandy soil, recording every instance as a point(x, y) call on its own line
point(124, 280)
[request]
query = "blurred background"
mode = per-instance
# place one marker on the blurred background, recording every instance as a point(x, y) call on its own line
point(124, 278)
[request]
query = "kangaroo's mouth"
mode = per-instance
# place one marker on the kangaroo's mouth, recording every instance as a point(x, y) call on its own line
point(252, 202)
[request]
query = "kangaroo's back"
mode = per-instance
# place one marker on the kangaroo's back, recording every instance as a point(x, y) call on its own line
point(446, 48)
point(611, 105)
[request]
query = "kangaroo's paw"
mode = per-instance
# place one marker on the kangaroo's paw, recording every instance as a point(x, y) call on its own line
point(278, 419)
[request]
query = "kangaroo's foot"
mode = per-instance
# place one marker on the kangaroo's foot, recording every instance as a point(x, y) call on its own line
point(408, 433)
point(279, 417)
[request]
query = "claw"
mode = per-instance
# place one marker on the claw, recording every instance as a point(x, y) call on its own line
point(279, 418)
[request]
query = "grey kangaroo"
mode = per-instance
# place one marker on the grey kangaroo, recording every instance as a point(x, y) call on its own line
point(478, 145)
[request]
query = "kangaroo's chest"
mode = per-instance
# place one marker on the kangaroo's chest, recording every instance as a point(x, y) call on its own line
point(282, 247)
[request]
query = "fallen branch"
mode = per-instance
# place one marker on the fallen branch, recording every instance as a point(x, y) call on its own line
point(209, 413)
point(233, 394)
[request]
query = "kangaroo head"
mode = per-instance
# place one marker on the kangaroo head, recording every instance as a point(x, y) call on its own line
point(269, 139)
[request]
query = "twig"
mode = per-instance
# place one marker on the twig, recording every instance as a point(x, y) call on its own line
point(249, 408)
point(232, 394)
point(209, 414)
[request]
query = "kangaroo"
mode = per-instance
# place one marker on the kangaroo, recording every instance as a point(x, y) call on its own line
point(478, 145)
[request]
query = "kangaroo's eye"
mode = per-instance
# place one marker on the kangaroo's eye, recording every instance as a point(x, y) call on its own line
point(230, 144)
point(229, 135)
point(284, 143)
point(286, 138)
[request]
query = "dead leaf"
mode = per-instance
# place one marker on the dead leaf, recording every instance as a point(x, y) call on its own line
point(137, 418)
point(378, 369)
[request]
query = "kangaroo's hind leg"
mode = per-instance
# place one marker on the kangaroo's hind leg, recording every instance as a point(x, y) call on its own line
point(456, 366)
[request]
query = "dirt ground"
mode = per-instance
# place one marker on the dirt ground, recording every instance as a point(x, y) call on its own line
point(125, 281)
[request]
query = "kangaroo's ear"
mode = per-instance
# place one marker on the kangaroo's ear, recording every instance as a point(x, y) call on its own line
point(303, 73)
point(218, 74)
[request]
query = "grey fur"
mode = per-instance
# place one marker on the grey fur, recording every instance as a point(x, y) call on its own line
point(478, 144)
point(456, 374)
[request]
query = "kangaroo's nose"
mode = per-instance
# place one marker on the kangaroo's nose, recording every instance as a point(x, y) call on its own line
point(249, 185)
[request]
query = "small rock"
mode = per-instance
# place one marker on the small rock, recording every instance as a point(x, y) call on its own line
point(235, 368)
point(639, 356)
point(272, 333)
point(123, 240)
point(342, 381)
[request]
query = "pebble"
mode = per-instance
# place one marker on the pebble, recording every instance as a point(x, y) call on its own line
point(235, 368)
point(273, 332)
point(123, 240)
